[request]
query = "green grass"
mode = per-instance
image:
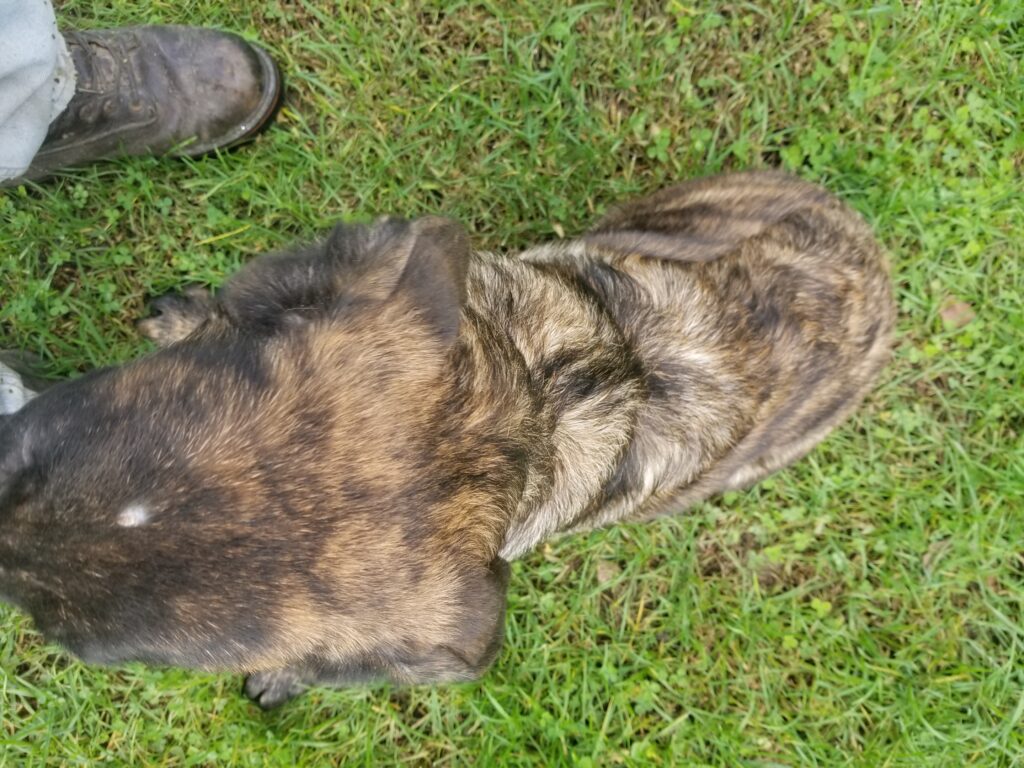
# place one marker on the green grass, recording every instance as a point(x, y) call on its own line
point(865, 608)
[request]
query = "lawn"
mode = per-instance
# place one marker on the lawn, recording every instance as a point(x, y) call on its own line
point(864, 608)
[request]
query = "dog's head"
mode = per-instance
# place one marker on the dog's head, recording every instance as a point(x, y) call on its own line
point(290, 482)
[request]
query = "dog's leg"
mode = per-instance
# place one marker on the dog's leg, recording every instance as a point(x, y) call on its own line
point(271, 688)
point(356, 263)
point(256, 296)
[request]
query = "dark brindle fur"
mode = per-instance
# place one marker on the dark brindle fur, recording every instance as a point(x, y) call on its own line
point(322, 474)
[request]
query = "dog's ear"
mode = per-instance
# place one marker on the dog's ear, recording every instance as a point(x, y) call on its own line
point(483, 625)
point(423, 262)
point(473, 647)
point(434, 277)
point(477, 632)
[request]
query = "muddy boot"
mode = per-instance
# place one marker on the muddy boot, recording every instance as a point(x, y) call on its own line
point(159, 90)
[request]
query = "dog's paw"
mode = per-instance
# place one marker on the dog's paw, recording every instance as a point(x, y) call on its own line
point(176, 315)
point(274, 687)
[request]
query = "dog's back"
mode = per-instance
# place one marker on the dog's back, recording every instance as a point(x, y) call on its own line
point(759, 309)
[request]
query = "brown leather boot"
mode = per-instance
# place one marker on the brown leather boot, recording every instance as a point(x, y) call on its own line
point(159, 90)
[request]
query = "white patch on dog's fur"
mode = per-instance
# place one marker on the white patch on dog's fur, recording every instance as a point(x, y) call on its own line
point(133, 516)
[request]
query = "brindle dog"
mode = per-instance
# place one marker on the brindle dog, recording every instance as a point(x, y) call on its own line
point(321, 475)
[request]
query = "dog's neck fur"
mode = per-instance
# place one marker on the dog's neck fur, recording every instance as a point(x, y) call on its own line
point(548, 336)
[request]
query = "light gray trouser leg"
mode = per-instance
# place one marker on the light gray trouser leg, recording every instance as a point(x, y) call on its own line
point(37, 80)
point(13, 392)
